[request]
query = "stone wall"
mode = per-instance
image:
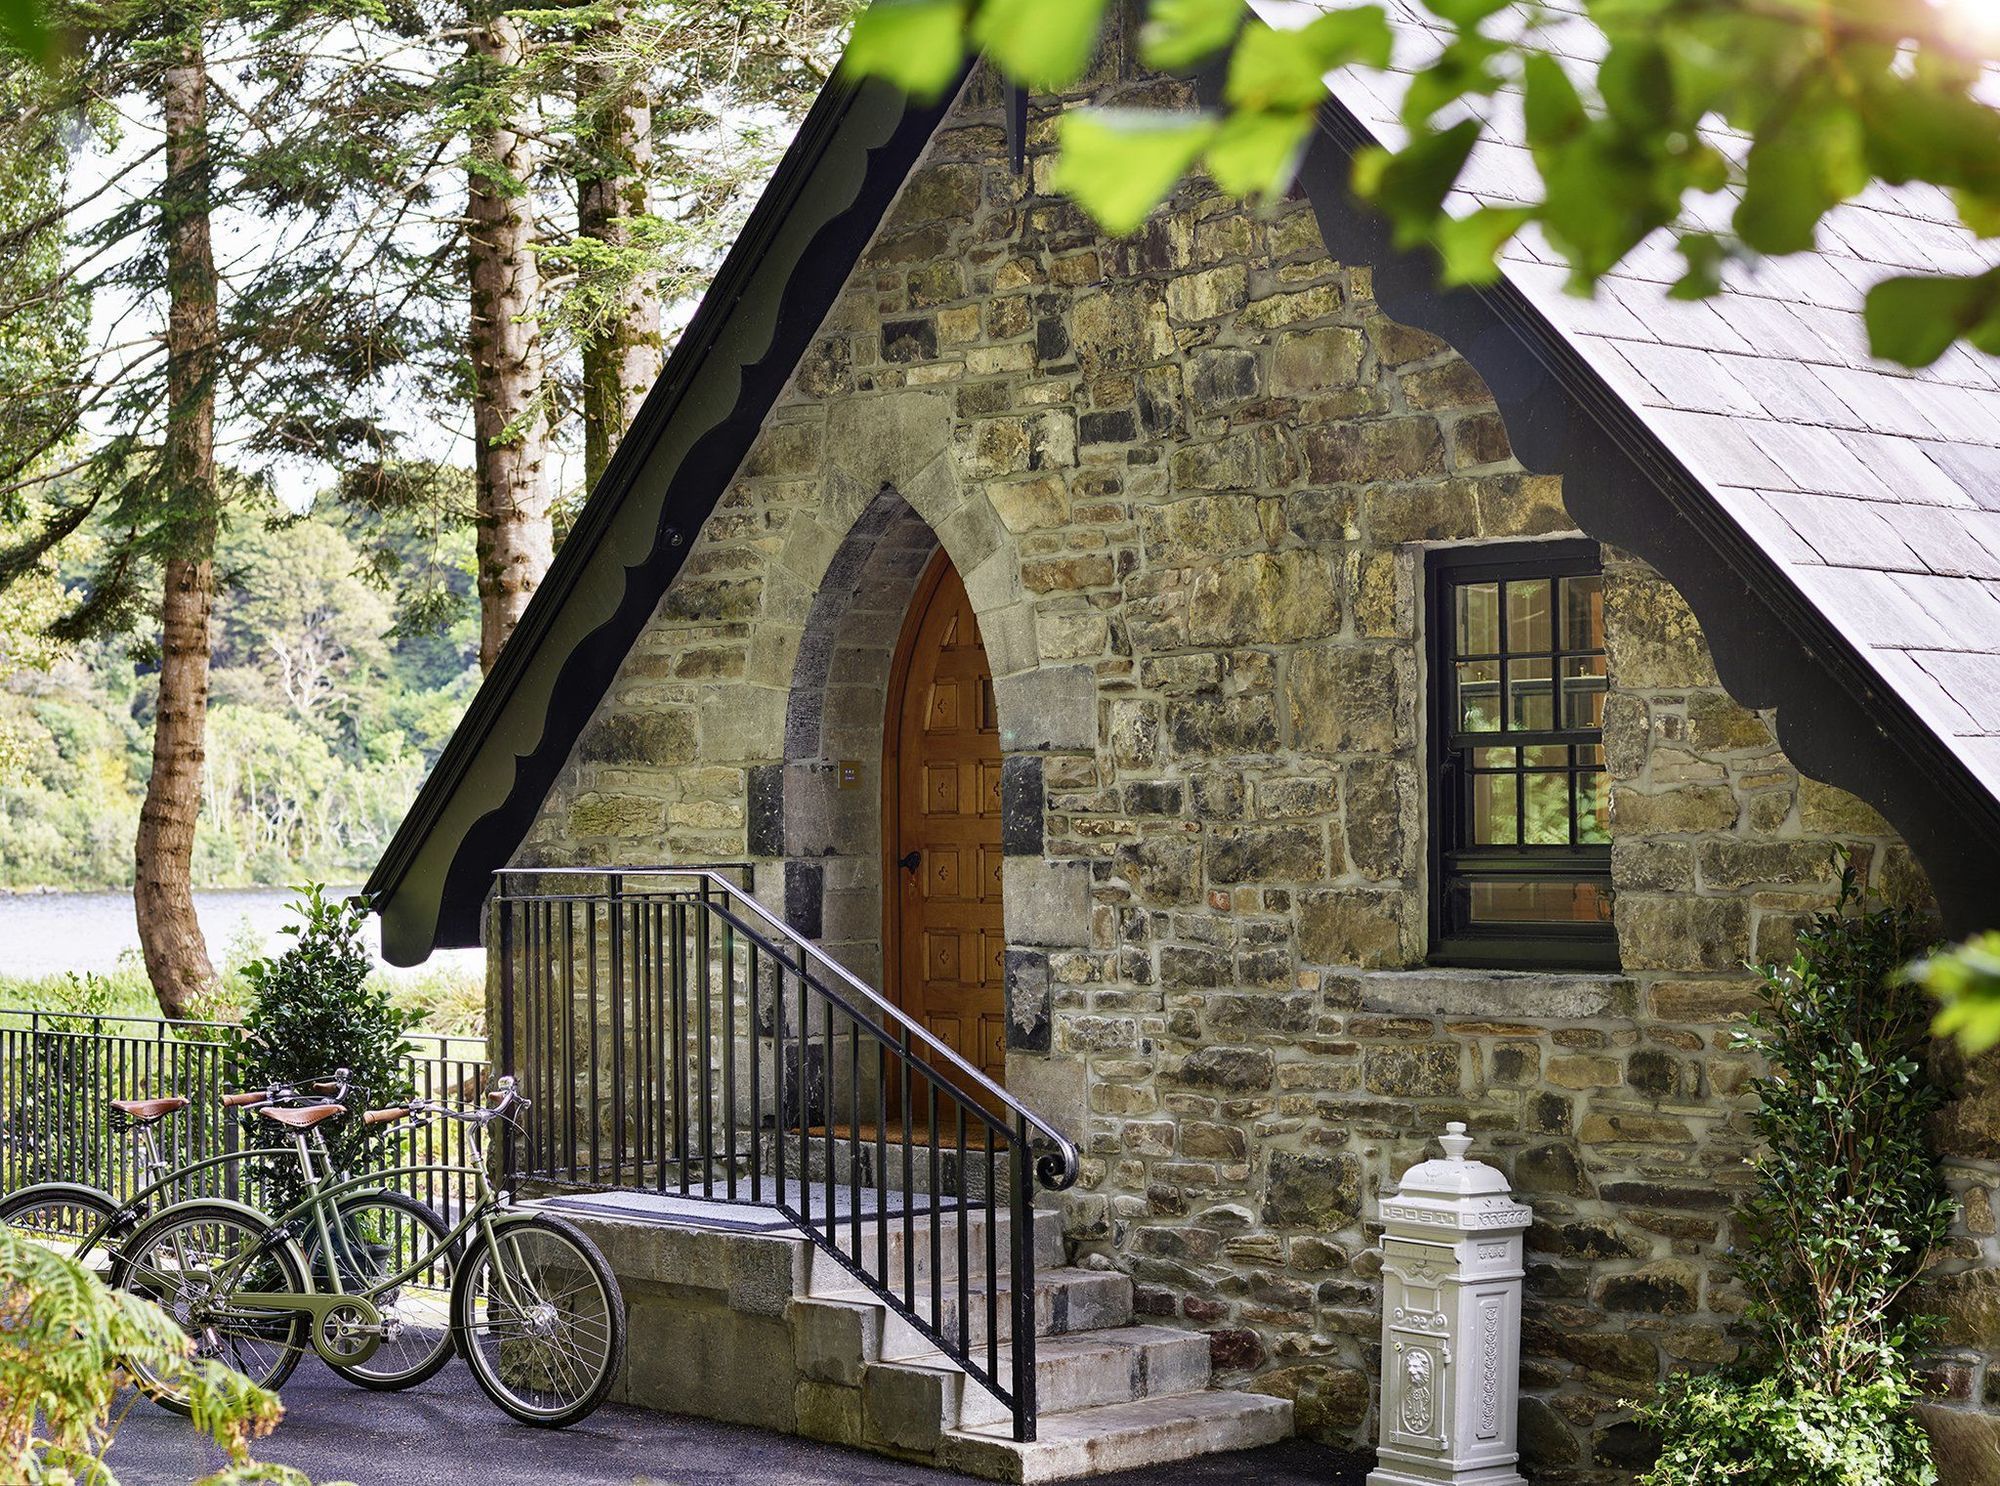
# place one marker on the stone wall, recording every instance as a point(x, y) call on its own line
point(1188, 478)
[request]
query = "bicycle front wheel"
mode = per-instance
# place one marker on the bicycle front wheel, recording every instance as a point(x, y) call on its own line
point(67, 1217)
point(376, 1237)
point(540, 1320)
point(191, 1260)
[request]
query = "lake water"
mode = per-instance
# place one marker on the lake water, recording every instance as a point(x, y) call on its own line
point(48, 933)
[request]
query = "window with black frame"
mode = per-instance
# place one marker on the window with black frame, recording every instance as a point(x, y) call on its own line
point(1521, 839)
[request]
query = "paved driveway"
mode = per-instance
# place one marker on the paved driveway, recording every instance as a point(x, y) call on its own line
point(445, 1433)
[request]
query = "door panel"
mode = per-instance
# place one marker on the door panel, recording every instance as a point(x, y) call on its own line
point(943, 782)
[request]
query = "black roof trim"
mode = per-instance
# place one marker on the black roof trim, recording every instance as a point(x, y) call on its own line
point(864, 136)
point(1772, 646)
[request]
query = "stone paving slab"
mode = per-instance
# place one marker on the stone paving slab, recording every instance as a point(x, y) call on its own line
point(446, 1434)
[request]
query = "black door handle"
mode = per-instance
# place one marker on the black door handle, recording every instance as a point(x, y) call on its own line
point(910, 862)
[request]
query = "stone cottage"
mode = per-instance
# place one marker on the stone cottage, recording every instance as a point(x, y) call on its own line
point(1257, 706)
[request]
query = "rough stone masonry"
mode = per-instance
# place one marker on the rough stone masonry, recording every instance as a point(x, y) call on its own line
point(1188, 478)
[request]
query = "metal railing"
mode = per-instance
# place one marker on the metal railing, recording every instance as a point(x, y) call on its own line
point(60, 1072)
point(677, 1036)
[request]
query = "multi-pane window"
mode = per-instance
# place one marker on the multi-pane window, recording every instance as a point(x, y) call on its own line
point(1521, 840)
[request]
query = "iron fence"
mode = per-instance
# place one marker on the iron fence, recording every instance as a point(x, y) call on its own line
point(59, 1074)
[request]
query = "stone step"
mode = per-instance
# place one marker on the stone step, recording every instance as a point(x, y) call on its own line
point(1066, 1300)
point(1048, 1231)
point(861, 1163)
point(1119, 1436)
point(1080, 1371)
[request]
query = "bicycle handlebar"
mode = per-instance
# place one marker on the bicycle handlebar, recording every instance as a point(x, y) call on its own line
point(328, 1087)
point(508, 1098)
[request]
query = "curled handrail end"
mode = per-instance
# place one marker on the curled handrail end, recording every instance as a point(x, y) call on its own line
point(1057, 1169)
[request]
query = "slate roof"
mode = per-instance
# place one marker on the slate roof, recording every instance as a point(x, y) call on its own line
point(1875, 489)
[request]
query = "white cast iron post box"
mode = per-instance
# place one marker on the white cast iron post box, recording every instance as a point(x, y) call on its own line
point(1451, 1324)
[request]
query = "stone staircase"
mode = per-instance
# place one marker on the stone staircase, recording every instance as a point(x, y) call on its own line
point(1113, 1394)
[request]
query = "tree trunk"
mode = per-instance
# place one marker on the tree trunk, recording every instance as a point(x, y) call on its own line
point(509, 422)
point(621, 361)
point(169, 934)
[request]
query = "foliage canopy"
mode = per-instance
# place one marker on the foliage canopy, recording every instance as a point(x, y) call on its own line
point(1733, 126)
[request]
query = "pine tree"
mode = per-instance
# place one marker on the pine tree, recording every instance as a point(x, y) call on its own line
point(200, 121)
point(509, 412)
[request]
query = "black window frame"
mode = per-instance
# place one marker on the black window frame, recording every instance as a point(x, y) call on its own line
point(1452, 858)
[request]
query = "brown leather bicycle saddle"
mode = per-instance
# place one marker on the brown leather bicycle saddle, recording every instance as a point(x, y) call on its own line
point(303, 1119)
point(145, 1111)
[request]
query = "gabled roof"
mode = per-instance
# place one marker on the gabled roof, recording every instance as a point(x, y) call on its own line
point(1835, 524)
point(1876, 489)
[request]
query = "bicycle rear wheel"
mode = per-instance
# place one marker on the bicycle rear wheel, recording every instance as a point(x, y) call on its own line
point(176, 1261)
point(67, 1217)
point(540, 1320)
point(376, 1236)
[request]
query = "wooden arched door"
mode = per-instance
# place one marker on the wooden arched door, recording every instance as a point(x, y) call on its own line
point(944, 944)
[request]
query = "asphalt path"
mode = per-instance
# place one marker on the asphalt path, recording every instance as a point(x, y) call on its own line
point(445, 1433)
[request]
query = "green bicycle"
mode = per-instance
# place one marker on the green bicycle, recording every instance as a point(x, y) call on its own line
point(532, 1304)
point(376, 1234)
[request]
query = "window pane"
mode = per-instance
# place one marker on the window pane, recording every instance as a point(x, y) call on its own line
point(1479, 619)
point(1528, 616)
point(1545, 810)
point(1593, 810)
point(1530, 705)
point(1549, 756)
point(1496, 817)
point(1590, 755)
point(1583, 613)
point(1583, 691)
point(1538, 902)
point(1496, 758)
point(1479, 696)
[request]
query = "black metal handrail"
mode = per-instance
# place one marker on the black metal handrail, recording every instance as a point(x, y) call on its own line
point(676, 1035)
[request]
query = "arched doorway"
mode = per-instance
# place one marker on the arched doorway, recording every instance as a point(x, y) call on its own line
point(944, 940)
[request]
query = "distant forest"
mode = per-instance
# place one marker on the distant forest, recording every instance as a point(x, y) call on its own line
point(345, 650)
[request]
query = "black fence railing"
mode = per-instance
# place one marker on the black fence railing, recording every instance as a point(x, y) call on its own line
point(675, 1035)
point(59, 1074)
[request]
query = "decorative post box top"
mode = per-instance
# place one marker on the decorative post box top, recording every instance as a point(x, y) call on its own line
point(1456, 1192)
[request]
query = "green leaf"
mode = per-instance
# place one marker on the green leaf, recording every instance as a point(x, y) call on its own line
point(1257, 154)
point(24, 26)
point(1465, 12)
point(1281, 71)
point(1637, 85)
point(1812, 159)
point(1979, 212)
point(1411, 184)
point(1045, 44)
point(1705, 256)
point(1914, 319)
point(919, 45)
point(1463, 67)
point(1551, 106)
point(1119, 164)
point(1180, 33)
point(1470, 245)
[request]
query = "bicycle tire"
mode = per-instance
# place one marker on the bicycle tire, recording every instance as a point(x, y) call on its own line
point(486, 1368)
point(73, 1197)
point(291, 1335)
point(369, 1374)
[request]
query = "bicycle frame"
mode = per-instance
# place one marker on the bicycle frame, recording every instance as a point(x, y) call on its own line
point(488, 1212)
point(134, 1208)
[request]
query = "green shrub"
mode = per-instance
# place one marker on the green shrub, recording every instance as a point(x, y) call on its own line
point(1847, 1206)
point(315, 1008)
point(1775, 1430)
point(64, 1338)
